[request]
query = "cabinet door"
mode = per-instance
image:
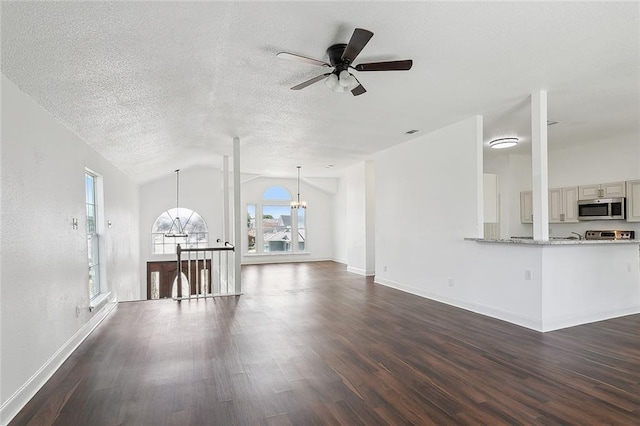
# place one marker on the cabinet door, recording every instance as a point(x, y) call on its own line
point(633, 201)
point(614, 189)
point(589, 192)
point(526, 207)
point(569, 204)
point(555, 205)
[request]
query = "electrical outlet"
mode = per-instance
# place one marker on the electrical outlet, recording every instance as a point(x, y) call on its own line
point(450, 281)
point(385, 268)
point(527, 275)
point(628, 267)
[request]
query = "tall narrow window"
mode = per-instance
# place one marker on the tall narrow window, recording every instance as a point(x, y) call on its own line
point(251, 228)
point(93, 241)
point(276, 228)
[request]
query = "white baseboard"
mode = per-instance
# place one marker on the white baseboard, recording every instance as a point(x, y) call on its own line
point(267, 259)
point(360, 271)
point(510, 317)
point(536, 324)
point(558, 323)
point(21, 397)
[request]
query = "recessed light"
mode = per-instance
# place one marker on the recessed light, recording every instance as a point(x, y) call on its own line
point(503, 143)
point(410, 132)
point(329, 166)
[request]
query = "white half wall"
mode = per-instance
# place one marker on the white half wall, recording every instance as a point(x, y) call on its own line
point(43, 259)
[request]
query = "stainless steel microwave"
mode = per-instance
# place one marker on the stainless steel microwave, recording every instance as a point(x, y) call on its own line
point(601, 209)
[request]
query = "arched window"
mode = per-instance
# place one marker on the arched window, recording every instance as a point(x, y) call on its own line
point(276, 193)
point(178, 226)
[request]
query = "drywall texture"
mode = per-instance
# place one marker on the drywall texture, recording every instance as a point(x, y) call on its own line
point(43, 259)
point(426, 204)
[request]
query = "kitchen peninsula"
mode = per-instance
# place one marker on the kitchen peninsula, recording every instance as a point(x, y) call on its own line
point(548, 285)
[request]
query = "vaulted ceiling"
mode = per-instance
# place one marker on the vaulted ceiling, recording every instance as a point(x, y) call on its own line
point(155, 86)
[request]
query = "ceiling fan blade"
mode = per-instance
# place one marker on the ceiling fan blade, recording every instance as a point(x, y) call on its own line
point(403, 65)
point(358, 41)
point(358, 90)
point(310, 82)
point(298, 58)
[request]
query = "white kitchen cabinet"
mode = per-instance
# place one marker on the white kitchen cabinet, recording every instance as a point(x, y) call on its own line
point(563, 205)
point(526, 207)
point(601, 190)
point(633, 201)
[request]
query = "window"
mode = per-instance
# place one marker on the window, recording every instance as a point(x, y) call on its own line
point(93, 238)
point(173, 222)
point(281, 229)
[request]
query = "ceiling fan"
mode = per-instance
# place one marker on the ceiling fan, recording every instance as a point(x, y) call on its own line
point(341, 57)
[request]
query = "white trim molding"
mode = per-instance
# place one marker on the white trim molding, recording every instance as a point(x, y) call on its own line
point(360, 271)
point(21, 397)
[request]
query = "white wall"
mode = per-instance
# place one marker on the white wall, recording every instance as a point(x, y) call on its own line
point(340, 228)
point(514, 176)
point(200, 190)
point(599, 162)
point(43, 260)
point(355, 219)
point(426, 204)
point(589, 283)
point(319, 195)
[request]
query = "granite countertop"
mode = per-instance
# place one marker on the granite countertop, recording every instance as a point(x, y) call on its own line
point(551, 242)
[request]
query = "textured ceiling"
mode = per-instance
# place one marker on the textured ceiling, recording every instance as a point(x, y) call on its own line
point(155, 86)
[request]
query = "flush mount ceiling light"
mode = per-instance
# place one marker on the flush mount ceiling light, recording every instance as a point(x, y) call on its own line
point(503, 143)
point(298, 204)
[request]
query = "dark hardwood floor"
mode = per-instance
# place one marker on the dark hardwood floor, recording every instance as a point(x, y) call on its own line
point(312, 344)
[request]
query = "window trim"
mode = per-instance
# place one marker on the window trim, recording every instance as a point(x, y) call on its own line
point(102, 290)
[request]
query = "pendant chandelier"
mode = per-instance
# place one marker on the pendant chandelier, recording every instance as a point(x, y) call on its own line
point(298, 204)
point(177, 230)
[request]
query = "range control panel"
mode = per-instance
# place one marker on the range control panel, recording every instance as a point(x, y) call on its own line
point(609, 235)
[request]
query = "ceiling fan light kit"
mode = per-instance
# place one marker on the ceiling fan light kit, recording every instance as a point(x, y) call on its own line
point(341, 57)
point(503, 143)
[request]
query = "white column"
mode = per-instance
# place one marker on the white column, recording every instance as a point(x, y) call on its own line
point(226, 231)
point(237, 215)
point(539, 167)
point(370, 218)
point(479, 176)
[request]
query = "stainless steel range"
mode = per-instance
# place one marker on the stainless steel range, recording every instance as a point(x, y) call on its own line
point(609, 235)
